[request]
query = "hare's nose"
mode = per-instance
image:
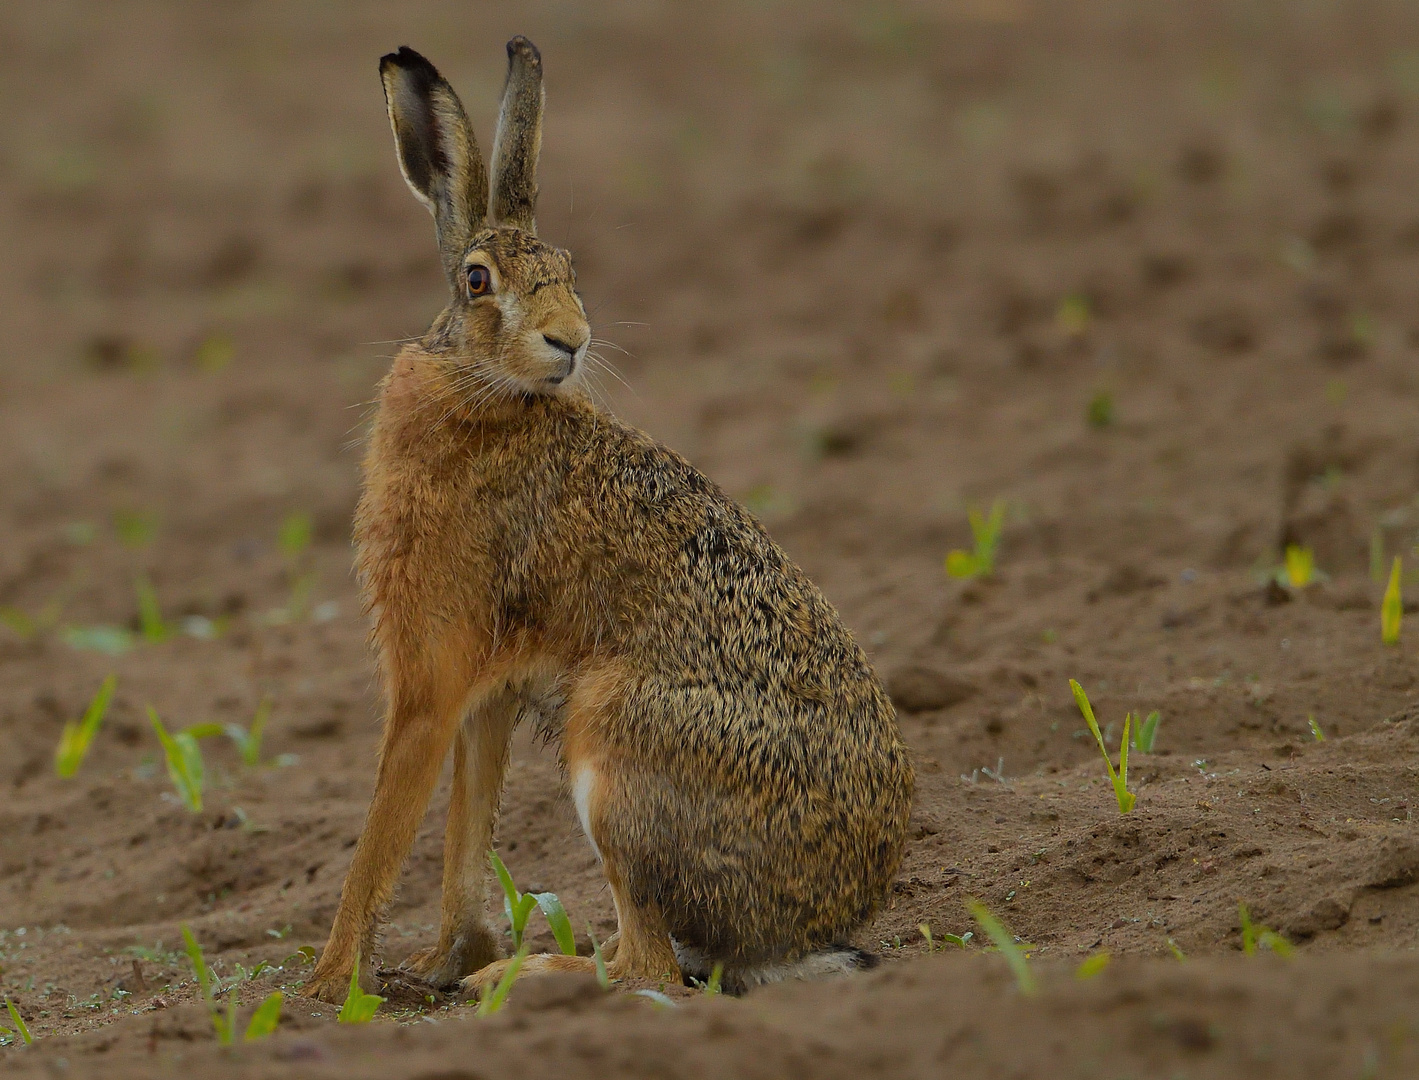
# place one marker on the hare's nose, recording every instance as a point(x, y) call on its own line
point(562, 346)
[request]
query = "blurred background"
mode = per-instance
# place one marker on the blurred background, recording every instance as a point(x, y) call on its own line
point(1143, 274)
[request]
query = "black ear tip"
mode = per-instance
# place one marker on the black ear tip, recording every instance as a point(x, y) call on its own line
point(408, 60)
point(520, 46)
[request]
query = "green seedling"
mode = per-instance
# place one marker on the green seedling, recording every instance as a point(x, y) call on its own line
point(21, 1029)
point(110, 640)
point(77, 736)
point(248, 740)
point(1254, 935)
point(1073, 315)
point(518, 906)
point(214, 352)
point(359, 1007)
point(184, 761)
point(494, 999)
point(1377, 555)
point(602, 976)
point(263, 1021)
point(715, 979)
point(1100, 413)
point(294, 539)
point(932, 945)
point(1299, 569)
point(150, 616)
point(27, 627)
point(135, 529)
point(304, 955)
point(1119, 779)
point(985, 536)
point(1002, 939)
point(1092, 966)
point(1316, 732)
point(1392, 607)
point(1146, 734)
point(1176, 949)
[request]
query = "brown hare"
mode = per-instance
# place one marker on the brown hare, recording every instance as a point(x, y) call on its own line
point(734, 761)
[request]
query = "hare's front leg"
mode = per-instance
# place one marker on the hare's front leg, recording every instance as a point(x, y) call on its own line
point(424, 714)
point(466, 941)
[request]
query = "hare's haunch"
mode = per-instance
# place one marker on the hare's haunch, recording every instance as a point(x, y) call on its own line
point(733, 759)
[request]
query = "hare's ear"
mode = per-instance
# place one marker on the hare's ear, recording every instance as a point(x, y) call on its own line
point(519, 139)
point(438, 154)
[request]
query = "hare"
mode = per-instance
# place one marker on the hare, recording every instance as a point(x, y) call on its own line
point(733, 759)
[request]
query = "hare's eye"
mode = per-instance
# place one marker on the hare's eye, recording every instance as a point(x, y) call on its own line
point(480, 281)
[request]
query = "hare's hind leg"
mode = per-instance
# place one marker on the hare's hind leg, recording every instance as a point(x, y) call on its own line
point(643, 950)
point(642, 945)
point(466, 941)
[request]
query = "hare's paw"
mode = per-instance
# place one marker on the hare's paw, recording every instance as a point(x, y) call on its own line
point(330, 989)
point(483, 981)
point(443, 967)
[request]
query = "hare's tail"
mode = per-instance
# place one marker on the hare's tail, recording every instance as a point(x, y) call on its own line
point(832, 960)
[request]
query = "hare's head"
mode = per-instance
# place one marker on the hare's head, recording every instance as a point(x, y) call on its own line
point(514, 321)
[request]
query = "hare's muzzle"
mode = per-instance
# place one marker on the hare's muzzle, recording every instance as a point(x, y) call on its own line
point(565, 354)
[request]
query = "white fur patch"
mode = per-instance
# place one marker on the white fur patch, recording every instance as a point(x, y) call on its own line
point(583, 786)
point(817, 965)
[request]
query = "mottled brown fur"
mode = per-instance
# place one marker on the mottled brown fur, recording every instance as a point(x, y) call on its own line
point(735, 761)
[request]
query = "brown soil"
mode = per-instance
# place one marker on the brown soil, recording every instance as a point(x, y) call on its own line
point(871, 265)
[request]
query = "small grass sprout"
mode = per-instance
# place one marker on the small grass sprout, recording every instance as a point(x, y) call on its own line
point(248, 740)
point(960, 941)
point(21, 1028)
point(135, 528)
point(1299, 568)
point(1377, 555)
point(715, 979)
point(1255, 935)
point(1316, 732)
point(602, 976)
point(359, 1007)
point(1118, 779)
point(1073, 315)
point(78, 735)
point(1002, 939)
point(1092, 966)
point(1146, 733)
point(494, 999)
point(1176, 950)
point(518, 906)
point(263, 1021)
point(1392, 606)
point(109, 640)
point(294, 539)
point(985, 536)
point(151, 626)
point(1100, 413)
point(184, 761)
point(27, 627)
point(214, 352)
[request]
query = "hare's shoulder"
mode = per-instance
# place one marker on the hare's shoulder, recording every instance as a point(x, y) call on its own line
point(623, 470)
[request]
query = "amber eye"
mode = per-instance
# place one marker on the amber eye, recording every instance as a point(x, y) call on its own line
point(480, 281)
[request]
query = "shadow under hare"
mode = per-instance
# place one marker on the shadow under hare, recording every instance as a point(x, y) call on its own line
point(734, 761)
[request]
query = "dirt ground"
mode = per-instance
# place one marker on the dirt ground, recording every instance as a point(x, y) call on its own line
point(1146, 273)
